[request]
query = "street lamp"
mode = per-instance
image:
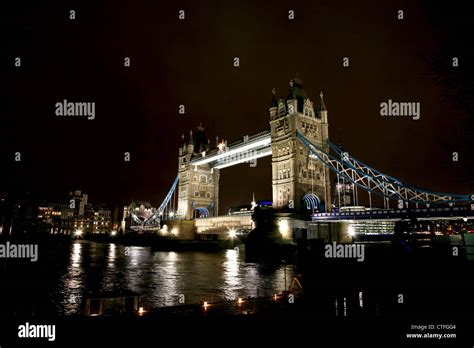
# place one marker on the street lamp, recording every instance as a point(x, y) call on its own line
point(351, 231)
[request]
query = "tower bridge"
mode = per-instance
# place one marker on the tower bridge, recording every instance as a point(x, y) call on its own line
point(304, 163)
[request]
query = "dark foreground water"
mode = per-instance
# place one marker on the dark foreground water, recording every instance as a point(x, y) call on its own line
point(384, 296)
point(160, 277)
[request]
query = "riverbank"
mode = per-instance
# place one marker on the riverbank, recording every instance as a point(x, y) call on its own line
point(157, 243)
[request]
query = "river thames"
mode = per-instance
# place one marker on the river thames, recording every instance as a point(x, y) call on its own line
point(160, 277)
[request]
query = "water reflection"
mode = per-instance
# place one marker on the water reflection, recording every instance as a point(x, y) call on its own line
point(252, 278)
point(76, 254)
point(136, 267)
point(71, 284)
point(164, 281)
point(112, 255)
point(133, 254)
point(160, 277)
point(231, 275)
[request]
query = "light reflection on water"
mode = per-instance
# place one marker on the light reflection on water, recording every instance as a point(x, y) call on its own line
point(111, 256)
point(160, 277)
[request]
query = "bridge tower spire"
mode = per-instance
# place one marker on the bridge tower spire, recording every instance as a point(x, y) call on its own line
point(299, 182)
point(322, 111)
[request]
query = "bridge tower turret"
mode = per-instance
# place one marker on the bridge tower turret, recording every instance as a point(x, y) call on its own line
point(298, 181)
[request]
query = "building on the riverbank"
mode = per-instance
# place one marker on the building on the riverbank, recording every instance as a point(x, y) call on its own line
point(96, 220)
point(102, 220)
point(55, 218)
point(79, 201)
point(76, 217)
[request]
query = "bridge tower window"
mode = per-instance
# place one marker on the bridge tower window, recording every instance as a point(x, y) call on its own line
point(203, 178)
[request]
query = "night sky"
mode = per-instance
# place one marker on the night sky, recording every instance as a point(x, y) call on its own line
point(190, 62)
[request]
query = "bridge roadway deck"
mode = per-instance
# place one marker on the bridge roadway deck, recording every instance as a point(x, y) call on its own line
point(222, 224)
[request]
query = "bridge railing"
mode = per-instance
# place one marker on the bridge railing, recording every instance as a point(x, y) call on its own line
point(446, 212)
point(255, 136)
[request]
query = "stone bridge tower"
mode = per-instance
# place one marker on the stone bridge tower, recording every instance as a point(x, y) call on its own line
point(298, 181)
point(198, 188)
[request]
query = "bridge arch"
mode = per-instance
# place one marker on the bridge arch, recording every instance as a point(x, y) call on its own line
point(200, 212)
point(311, 201)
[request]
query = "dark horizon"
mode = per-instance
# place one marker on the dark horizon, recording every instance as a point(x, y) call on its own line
point(190, 62)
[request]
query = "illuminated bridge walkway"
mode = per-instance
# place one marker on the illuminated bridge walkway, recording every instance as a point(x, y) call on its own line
point(444, 213)
point(249, 148)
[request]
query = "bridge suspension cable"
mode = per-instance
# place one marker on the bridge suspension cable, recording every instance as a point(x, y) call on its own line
point(169, 195)
point(376, 182)
point(162, 212)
